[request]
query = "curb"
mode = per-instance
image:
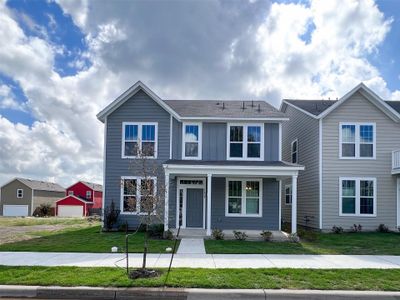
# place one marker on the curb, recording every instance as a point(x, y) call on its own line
point(94, 293)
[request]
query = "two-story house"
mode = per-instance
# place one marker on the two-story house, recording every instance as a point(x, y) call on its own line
point(220, 161)
point(350, 150)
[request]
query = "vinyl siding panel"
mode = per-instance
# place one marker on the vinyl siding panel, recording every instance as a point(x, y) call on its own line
point(214, 141)
point(45, 197)
point(9, 196)
point(306, 129)
point(176, 139)
point(140, 108)
point(358, 109)
point(271, 141)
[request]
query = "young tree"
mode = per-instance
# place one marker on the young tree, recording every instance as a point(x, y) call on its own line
point(147, 194)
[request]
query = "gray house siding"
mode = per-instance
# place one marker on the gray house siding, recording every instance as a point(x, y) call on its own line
point(358, 109)
point(270, 209)
point(176, 139)
point(306, 129)
point(140, 108)
point(46, 197)
point(214, 141)
point(9, 195)
point(271, 141)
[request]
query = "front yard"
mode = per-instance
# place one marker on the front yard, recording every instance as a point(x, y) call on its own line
point(68, 235)
point(364, 243)
point(366, 279)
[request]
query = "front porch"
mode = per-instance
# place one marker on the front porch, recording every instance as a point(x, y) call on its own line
point(227, 195)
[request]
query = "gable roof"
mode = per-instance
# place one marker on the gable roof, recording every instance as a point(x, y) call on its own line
point(77, 198)
point(200, 109)
point(94, 186)
point(321, 108)
point(39, 185)
point(217, 109)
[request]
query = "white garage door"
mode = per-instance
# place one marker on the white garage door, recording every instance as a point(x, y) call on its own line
point(15, 210)
point(70, 211)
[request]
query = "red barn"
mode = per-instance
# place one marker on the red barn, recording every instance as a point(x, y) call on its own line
point(79, 199)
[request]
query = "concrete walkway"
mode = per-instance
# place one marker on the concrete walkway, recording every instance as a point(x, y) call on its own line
point(212, 261)
point(191, 246)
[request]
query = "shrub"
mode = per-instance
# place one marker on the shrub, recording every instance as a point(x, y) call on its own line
point(217, 234)
point(266, 235)
point(123, 227)
point(294, 238)
point(337, 229)
point(111, 216)
point(156, 230)
point(286, 226)
point(239, 235)
point(307, 235)
point(356, 228)
point(168, 235)
point(382, 228)
point(44, 210)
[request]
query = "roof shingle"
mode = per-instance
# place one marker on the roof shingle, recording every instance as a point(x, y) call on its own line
point(42, 185)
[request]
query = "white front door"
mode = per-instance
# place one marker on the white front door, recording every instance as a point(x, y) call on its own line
point(190, 203)
point(15, 210)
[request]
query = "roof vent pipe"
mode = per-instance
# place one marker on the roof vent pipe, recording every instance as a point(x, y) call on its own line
point(243, 107)
point(259, 107)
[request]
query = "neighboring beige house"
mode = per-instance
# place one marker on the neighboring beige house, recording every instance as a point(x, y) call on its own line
point(20, 196)
point(351, 152)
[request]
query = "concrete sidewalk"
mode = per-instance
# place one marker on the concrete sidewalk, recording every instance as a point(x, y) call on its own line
point(54, 292)
point(213, 261)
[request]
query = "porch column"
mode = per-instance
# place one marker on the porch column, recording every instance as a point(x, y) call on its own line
point(209, 178)
point(166, 201)
point(294, 204)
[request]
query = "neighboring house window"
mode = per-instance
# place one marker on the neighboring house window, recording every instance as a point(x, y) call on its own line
point(192, 137)
point(357, 196)
point(88, 194)
point(357, 140)
point(70, 193)
point(139, 137)
point(20, 193)
point(288, 194)
point(295, 151)
point(244, 197)
point(245, 142)
point(134, 191)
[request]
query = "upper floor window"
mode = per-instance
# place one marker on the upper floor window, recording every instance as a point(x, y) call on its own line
point(357, 196)
point(357, 140)
point(245, 141)
point(243, 198)
point(295, 151)
point(137, 195)
point(288, 194)
point(139, 139)
point(191, 137)
point(88, 194)
point(20, 193)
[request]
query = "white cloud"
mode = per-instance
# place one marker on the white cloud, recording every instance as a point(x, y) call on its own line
point(77, 9)
point(7, 99)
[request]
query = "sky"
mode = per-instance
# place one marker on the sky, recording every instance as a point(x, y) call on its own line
point(62, 61)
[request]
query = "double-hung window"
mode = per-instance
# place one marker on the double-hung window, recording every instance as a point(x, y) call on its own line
point(357, 197)
point(88, 194)
point(357, 140)
point(20, 193)
point(191, 136)
point(137, 195)
point(139, 139)
point(294, 151)
point(244, 198)
point(288, 194)
point(245, 141)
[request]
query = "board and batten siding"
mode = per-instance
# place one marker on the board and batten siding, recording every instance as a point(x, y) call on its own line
point(306, 130)
point(214, 141)
point(359, 109)
point(139, 108)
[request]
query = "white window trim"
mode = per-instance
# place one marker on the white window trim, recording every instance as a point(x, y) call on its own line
point(88, 193)
point(200, 141)
point(357, 140)
point(245, 142)
point(242, 214)
point(139, 141)
point(22, 193)
point(288, 186)
point(357, 196)
point(138, 196)
point(292, 152)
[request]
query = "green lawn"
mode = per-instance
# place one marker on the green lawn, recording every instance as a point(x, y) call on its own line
point(89, 239)
point(31, 221)
point(367, 279)
point(371, 243)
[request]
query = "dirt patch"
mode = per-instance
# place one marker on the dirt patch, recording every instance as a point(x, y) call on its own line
point(20, 233)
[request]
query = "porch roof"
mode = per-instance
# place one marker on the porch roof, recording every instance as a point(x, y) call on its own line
point(232, 167)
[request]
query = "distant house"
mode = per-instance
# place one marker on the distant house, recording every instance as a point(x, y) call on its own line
point(20, 196)
point(79, 199)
